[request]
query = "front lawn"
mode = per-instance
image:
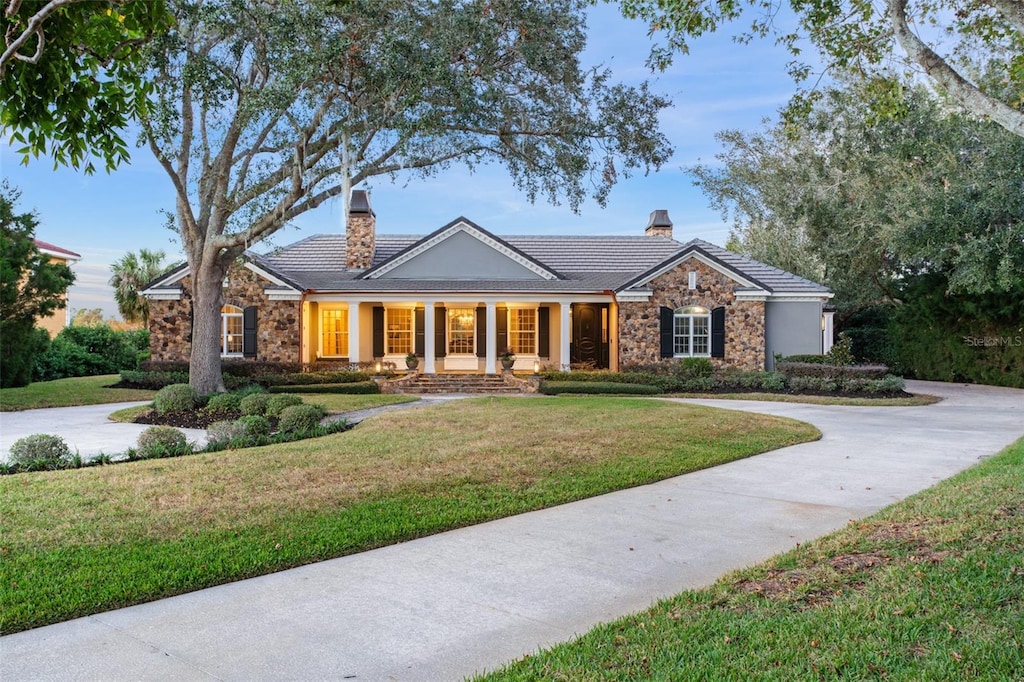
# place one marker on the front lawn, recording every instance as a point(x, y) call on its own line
point(69, 392)
point(931, 588)
point(88, 540)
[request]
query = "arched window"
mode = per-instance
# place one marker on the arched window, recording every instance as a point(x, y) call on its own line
point(231, 330)
point(691, 332)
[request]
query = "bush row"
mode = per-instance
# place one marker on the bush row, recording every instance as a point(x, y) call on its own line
point(596, 388)
point(155, 379)
point(89, 351)
point(837, 372)
point(353, 388)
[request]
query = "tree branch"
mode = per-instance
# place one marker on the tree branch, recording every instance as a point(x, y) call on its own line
point(942, 73)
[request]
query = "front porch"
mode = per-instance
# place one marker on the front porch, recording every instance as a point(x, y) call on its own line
point(461, 334)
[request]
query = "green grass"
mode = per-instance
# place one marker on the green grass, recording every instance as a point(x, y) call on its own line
point(931, 588)
point(910, 401)
point(83, 541)
point(69, 392)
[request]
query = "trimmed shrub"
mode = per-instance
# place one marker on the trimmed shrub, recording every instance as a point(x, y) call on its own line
point(773, 381)
point(254, 404)
point(813, 359)
point(805, 369)
point(255, 425)
point(696, 367)
point(175, 398)
point(152, 380)
point(358, 387)
point(597, 388)
point(813, 384)
point(21, 345)
point(225, 431)
point(161, 441)
point(42, 452)
point(223, 402)
point(841, 352)
point(300, 418)
point(278, 402)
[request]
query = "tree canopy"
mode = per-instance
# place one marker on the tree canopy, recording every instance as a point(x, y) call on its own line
point(867, 203)
point(264, 110)
point(129, 275)
point(953, 43)
point(71, 76)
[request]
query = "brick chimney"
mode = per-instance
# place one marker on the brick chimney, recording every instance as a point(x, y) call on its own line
point(360, 232)
point(659, 225)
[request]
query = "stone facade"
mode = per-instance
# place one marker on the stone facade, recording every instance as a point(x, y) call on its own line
point(639, 337)
point(277, 324)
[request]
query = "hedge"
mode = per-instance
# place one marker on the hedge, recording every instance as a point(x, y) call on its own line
point(597, 388)
point(351, 388)
point(812, 369)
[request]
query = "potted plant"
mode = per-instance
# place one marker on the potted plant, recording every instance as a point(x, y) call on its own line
point(411, 361)
point(508, 358)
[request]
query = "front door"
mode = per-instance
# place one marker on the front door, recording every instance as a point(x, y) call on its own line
point(590, 334)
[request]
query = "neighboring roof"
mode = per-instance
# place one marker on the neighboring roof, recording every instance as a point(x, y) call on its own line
point(57, 251)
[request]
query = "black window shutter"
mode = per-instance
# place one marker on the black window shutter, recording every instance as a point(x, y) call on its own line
point(718, 332)
point(419, 324)
point(440, 331)
point(544, 332)
point(502, 314)
point(378, 331)
point(249, 332)
point(668, 321)
point(481, 332)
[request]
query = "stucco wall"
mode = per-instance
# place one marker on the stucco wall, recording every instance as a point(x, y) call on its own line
point(793, 328)
point(277, 333)
point(639, 337)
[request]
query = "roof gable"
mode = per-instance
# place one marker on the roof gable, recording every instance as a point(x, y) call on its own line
point(461, 250)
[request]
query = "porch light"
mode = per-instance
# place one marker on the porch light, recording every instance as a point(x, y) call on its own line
point(377, 367)
point(536, 366)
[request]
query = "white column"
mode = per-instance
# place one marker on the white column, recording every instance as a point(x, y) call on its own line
point(563, 330)
point(428, 338)
point(827, 331)
point(353, 331)
point(492, 339)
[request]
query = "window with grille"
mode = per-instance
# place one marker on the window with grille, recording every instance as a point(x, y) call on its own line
point(231, 330)
point(692, 332)
point(334, 330)
point(461, 331)
point(398, 323)
point(522, 330)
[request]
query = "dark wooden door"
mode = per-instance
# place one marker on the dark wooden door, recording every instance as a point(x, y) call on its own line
point(590, 334)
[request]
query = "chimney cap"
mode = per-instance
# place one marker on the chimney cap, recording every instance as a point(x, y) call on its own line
point(659, 218)
point(360, 202)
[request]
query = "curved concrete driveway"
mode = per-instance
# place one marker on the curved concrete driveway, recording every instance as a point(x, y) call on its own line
point(85, 428)
point(445, 606)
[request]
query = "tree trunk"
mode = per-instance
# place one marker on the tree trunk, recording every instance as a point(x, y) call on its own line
point(204, 373)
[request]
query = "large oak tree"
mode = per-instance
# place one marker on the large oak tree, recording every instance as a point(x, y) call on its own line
point(265, 109)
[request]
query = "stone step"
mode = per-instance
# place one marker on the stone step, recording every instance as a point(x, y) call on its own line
point(459, 383)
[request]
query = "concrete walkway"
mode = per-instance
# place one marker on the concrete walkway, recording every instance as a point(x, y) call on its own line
point(443, 607)
point(85, 428)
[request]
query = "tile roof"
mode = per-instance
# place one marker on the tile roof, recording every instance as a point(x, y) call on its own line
point(587, 264)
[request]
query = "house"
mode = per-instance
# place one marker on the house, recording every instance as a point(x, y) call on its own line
point(61, 317)
point(458, 296)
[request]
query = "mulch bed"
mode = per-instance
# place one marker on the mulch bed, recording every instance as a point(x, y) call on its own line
point(193, 419)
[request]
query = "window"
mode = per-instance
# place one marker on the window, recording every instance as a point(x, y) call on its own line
point(398, 325)
point(334, 330)
point(461, 329)
point(522, 330)
point(231, 330)
point(691, 332)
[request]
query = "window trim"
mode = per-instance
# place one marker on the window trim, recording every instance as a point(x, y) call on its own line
point(691, 313)
point(388, 310)
point(225, 315)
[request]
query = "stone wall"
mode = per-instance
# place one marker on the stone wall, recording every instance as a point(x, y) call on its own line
point(277, 324)
point(360, 240)
point(639, 337)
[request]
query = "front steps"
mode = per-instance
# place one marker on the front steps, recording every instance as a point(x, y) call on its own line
point(454, 383)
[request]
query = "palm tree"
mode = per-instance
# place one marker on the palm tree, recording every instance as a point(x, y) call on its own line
point(131, 273)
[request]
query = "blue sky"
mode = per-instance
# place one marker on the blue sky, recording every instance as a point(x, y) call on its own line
point(719, 85)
